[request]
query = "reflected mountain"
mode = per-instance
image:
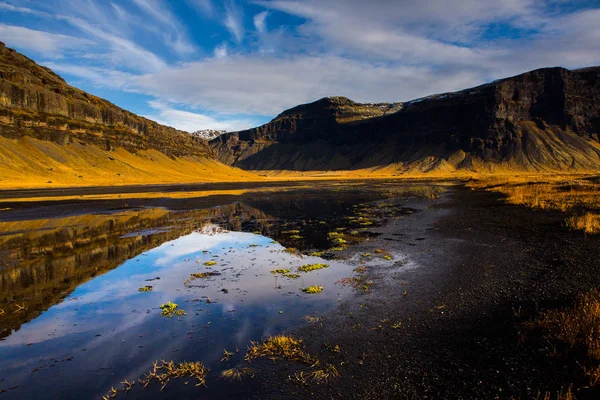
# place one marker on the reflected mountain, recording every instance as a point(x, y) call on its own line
point(43, 260)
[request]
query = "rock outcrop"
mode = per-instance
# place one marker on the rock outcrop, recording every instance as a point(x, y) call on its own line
point(547, 119)
point(35, 102)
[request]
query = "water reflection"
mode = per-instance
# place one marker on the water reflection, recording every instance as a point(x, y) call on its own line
point(76, 325)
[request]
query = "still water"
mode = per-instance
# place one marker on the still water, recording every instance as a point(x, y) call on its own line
point(81, 292)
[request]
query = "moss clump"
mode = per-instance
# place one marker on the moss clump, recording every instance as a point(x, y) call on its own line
point(312, 267)
point(147, 288)
point(315, 253)
point(339, 248)
point(280, 347)
point(202, 275)
point(171, 309)
point(291, 231)
point(280, 271)
point(164, 371)
point(292, 276)
point(313, 289)
point(339, 240)
point(210, 263)
point(295, 237)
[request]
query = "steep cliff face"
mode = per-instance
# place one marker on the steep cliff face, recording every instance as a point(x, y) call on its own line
point(546, 119)
point(37, 103)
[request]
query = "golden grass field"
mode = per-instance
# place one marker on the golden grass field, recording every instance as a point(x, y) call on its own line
point(578, 196)
point(32, 163)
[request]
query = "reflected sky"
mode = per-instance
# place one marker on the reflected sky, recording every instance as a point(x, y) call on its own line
point(110, 330)
point(87, 327)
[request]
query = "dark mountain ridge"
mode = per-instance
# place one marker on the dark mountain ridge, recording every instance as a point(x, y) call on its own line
point(36, 102)
point(546, 119)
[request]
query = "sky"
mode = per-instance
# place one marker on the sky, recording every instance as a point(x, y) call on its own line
point(232, 64)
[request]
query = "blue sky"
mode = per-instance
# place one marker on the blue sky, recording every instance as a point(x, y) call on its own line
point(232, 64)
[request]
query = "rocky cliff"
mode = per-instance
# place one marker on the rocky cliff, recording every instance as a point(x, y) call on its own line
point(35, 102)
point(547, 119)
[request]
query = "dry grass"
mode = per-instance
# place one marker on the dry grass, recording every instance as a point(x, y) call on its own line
point(280, 347)
point(323, 375)
point(33, 163)
point(589, 223)
point(236, 374)
point(568, 395)
point(579, 326)
point(578, 329)
point(164, 371)
point(576, 195)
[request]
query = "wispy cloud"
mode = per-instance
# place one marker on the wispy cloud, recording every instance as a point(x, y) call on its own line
point(260, 21)
point(124, 52)
point(50, 45)
point(160, 12)
point(205, 7)
point(233, 20)
point(190, 121)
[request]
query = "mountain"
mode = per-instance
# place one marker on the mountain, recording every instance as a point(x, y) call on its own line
point(542, 120)
point(208, 134)
point(52, 133)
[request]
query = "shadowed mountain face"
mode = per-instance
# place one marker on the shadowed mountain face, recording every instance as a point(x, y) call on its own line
point(546, 119)
point(37, 103)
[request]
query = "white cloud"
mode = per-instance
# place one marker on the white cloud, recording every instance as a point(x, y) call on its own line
point(24, 10)
point(47, 44)
point(398, 50)
point(221, 50)
point(205, 7)
point(255, 84)
point(190, 122)
point(123, 52)
point(160, 12)
point(260, 21)
point(233, 20)
point(99, 77)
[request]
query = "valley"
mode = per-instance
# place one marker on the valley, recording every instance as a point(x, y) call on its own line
point(445, 247)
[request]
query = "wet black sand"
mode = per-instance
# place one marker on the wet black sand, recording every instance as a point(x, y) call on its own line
point(478, 261)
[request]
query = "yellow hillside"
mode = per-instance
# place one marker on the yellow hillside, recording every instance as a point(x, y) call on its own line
point(29, 163)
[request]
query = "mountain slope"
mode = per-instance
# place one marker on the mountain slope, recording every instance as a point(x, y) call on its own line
point(54, 134)
point(543, 120)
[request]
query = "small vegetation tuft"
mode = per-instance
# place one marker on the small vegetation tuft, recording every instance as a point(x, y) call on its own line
point(171, 309)
point(313, 289)
point(281, 271)
point(210, 263)
point(236, 374)
point(280, 347)
point(147, 288)
point(312, 267)
point(164, 371)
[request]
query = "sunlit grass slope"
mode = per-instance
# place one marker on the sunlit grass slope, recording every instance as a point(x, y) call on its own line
point(29, 162)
